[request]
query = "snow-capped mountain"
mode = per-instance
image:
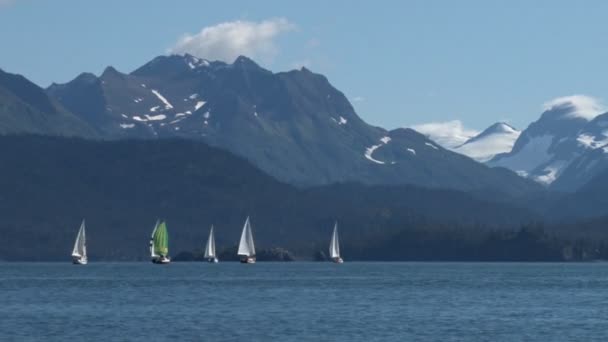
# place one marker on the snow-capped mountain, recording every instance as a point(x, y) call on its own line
point(567, 129)
point(496, 139)
point(294, 125)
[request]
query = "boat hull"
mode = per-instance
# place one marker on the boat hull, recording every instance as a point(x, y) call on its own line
point(337, 260)
point(79, 261)
point(248, 260)
point(161, 260)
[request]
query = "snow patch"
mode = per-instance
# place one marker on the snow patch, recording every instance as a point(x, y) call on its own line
point(588, 141)
point(150, 117)
point(154, 109)
point(124, 125)
point(370, 150)
point(193, 96)
point(162, 99)
point(199, 104)
point(206, 115)
point(534, 153)
point(412, 151)
point(551, 173)
point(431, 145)
point(342, 121)
point(124, 116)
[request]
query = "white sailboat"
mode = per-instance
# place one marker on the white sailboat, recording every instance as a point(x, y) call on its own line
point(334, 246)
point(246, 247)
point(79, 253)
point(210, 248)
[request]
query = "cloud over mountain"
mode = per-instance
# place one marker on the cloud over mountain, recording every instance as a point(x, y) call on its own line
point(448, 134)
point(226, 41)
point(581, 106)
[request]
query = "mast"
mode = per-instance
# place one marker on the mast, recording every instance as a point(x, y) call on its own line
point(246, 245)
point(210, 248)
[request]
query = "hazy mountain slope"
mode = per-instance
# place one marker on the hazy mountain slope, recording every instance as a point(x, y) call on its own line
point(122, 187)
point(26, 108)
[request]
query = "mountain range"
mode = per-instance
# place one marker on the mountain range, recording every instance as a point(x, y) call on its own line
point(293, 125)
point(562, 150)
point(201, 142)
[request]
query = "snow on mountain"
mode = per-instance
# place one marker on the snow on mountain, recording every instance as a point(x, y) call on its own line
point(498, 138)
point(293, 125)
point(567, 128)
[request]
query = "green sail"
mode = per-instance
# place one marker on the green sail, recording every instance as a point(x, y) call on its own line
point(161, 240)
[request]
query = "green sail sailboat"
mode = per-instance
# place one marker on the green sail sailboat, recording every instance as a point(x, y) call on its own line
point(159, 244)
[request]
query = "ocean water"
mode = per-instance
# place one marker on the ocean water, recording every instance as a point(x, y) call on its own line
point(304, 302)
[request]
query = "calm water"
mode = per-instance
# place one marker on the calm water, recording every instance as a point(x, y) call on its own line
point(304, 302)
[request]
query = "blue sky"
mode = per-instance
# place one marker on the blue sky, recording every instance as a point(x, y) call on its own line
point(400, 62)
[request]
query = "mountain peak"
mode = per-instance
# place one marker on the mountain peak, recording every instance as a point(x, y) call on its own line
point(110, 71)
point(497, 128)
point(573, 107)
point(245, 63)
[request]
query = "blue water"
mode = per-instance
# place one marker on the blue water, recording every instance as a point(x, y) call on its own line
point(304, 302)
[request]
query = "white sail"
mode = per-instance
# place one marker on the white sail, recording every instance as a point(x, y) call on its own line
point(334, 245)
point(80, 245)
point(152, 254)
point(246, 246)
point(210, 248)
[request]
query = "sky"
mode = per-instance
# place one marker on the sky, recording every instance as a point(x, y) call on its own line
point(466, 64)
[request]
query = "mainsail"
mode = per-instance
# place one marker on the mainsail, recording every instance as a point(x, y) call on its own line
point(246, 246)
point(210, 248)
point(334, 245)
point(80, 246)
point(160, 239)
point(152, 253)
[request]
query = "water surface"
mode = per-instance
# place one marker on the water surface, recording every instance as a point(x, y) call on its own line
point(304, 302)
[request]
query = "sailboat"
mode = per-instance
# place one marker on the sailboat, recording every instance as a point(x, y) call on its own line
point(210, 248)
point(334, 246)
point(246, 246)
point(159, 244)
point(79, 253)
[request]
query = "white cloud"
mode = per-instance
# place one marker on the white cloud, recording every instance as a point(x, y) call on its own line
point(226, 41)
point(581, 106)
point(448, 134)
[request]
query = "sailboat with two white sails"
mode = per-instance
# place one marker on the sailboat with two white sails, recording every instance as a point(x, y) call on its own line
point(246, 250)
point(334, 246)
point(79, 253)
point(210, 255)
